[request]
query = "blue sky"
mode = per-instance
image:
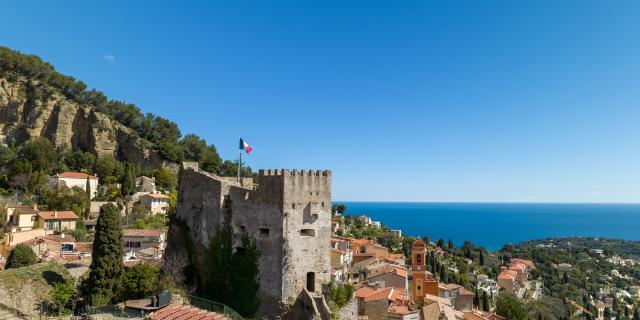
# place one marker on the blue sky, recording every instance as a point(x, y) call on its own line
point(519, 101)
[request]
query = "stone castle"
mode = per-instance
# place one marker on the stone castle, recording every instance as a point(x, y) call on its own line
point(288, 215)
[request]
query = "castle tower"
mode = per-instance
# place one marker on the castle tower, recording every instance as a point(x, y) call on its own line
point(287, 215)
point(423, 281)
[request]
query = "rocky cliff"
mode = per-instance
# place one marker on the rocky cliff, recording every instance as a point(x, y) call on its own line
point(30, 109)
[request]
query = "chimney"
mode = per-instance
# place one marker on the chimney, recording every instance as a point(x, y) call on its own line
point(62, 235)
point(55, 214)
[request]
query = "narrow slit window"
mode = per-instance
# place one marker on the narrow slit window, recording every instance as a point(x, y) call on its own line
point(308, 233)
point(263, 232)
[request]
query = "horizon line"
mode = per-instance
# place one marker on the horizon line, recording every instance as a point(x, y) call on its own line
point(481, 202)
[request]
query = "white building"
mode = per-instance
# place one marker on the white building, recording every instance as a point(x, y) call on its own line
point(155, 202)
point(75, 179)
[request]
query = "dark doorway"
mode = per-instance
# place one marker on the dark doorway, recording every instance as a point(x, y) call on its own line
point(311, 281)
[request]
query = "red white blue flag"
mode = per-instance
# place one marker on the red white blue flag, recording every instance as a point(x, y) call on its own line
point(245, 146)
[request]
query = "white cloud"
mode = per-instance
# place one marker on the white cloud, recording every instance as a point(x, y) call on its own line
point(110, 58)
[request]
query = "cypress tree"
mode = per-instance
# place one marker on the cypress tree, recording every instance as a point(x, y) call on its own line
point(107, 268)
point(485, 301)
point(476, 299)
point(129, 181)
point(244, 279)
point(87, 191)
point(481, 262)
point(237, 289)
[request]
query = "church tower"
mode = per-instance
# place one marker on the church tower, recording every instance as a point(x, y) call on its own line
point(423, 281)
point(418, 268)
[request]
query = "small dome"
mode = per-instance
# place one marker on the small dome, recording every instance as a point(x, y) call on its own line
point(418, 243)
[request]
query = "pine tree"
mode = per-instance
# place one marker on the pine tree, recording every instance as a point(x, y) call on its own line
point(107, 268)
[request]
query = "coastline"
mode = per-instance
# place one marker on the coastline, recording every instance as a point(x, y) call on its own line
point(492, 225)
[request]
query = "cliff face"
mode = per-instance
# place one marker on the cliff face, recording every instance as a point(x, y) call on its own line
point(29, 109)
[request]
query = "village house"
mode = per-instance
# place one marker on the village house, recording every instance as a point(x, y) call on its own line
point(461, 298)
point(57, 220)
point(507, 280)
point(21, 217)
point(383, 303)
point(75, 179)
point(396, 278)
point(12, 239)
point(139, 239)
point(634, 290)
point(155, 202)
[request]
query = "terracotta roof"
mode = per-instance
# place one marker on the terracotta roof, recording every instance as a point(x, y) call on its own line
point(75, 175)
point(527, 263)
point(364, 292)
point(507, 274)
point(401, 272)
point(141, 232)
point(418, 243)
point(399, 309)
point(381, 294)
point(57, 215)
point(464, 292)
point(175, 311)
point(59, 238)
point(157, 195)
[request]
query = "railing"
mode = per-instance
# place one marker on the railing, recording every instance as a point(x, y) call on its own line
point(214, 307)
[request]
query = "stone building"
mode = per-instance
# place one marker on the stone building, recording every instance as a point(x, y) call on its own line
point(287, 214)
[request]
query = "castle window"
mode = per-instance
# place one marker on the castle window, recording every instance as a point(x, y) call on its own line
point(293, 206)
point(311, 281)
point(243, 229)
point(308, 233)
point(310, 193)
point(322, 204)
point(263, 232)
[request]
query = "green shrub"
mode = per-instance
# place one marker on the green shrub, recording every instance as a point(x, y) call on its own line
point(21, 256)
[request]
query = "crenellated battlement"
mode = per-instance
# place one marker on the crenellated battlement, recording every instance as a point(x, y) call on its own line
point(294, 172)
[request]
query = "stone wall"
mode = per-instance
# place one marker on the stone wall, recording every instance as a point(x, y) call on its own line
point(288, 216)
point(349, 311)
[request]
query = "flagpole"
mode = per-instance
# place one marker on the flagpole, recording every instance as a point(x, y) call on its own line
point(239, 162)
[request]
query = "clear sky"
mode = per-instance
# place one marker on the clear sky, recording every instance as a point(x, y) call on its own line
point(404, 100)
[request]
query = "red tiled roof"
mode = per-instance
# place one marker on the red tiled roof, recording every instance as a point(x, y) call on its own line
point(382, 294)
point(399, 309)
point(507, 274)
point(75, 175)
point(401, 272)
point(157, 195)
point(57, 215)
point(174, 312)
point(364, 292)
point(141, 232)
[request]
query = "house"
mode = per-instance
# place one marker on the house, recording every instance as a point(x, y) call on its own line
point(635, 290)
point(155, 202)
point(75, 179)
point(21, 217)
point(438, 308)
point(138, 239)
point(57, 220)
point(14, 238)
point(383, 303)
point(507, 280)
point(95, 206)
point(396, 278)
point(366, 221)
point(461, 298)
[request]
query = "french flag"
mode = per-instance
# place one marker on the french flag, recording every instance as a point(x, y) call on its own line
point(245, 146)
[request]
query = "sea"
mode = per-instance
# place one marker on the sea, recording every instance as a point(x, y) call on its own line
point(492, 225)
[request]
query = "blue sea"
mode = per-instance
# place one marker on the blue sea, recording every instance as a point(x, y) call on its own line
point(491, 225)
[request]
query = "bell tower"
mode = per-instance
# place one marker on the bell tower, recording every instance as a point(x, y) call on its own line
point(418, 267)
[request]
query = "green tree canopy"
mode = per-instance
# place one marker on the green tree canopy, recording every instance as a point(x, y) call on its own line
point(140, 281)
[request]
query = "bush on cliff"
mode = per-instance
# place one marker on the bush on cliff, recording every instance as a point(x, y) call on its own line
point(21, 256)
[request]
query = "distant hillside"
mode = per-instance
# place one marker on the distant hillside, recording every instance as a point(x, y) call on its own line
point(37, 101)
